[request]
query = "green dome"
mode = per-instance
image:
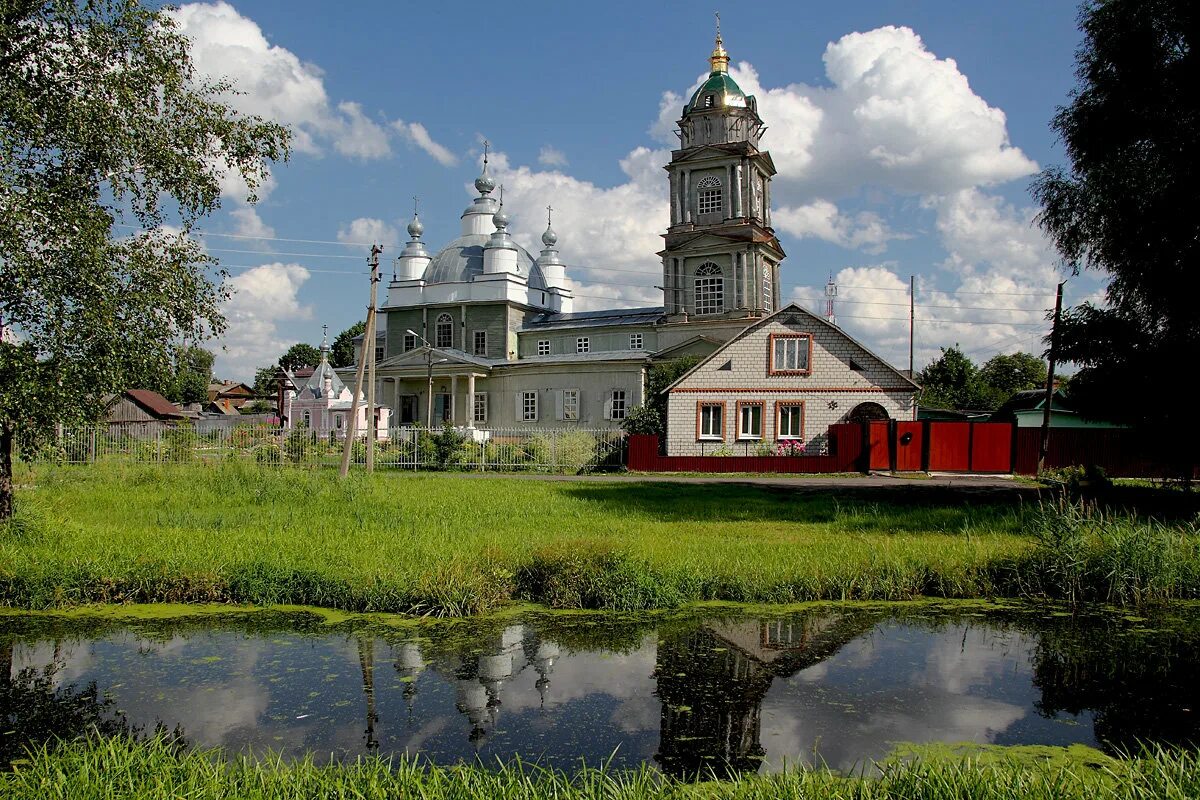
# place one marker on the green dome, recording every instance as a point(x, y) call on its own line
point(723, 90)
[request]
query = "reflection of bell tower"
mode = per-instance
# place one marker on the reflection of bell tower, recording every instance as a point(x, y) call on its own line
point(721, 258)
point(711, 706)
point(409, 664)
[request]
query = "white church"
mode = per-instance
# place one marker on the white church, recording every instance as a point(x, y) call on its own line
point(495, 325)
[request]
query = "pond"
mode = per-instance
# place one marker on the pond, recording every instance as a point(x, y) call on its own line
point(727, 690)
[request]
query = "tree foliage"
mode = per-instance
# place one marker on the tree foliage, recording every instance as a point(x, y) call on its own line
point(193, 374)
point(342, 353)
point(1125, 207)
point(653, 419)
point(954, 381)
point(111, 149)
point(300, 355)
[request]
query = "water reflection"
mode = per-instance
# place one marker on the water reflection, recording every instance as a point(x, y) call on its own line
point(690, 695)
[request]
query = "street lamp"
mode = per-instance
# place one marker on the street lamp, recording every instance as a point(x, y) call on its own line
point(429, 362)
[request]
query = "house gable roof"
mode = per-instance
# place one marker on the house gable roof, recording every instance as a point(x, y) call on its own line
point(154, 403)
point(792, 308)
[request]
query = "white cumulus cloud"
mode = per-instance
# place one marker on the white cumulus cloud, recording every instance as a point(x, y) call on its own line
point(552, 157)
point(263, 297)
point(275, 83)
point(416, 134)
point(367, 231)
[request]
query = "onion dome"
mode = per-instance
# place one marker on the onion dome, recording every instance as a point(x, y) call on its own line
point(720, 90)
point(415, 228)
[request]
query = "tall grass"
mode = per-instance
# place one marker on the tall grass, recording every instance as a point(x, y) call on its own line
point(456, 545)
point(120, 768)
point(446, 544)
point(1083, 553)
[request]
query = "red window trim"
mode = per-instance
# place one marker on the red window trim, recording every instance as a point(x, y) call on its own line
point(781, 404)
point(699, 406)
point(762, 420)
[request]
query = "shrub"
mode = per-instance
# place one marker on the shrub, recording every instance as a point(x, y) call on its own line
point(643, 420)
point(298, 446)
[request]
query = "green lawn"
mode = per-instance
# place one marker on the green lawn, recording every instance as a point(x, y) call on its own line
point(455, 544)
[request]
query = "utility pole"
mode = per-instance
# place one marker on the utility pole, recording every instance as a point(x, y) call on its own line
point(368, 342)
point(1049, 401)
point(912, 320)
point(369, 348)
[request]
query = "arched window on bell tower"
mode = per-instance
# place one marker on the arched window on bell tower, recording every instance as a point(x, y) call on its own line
point(708, 195)
point(710, 289)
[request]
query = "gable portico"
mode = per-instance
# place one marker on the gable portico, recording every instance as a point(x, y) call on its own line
point(431, 386)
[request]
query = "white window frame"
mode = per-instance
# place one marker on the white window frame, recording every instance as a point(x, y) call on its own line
point(337, 421)
point(447, 321)
point(529, 406)
point(583, 344)
point(709, 284)
point(768, 300)
point(745, 415)
point(475, 343)
point(636, 342)
point(307, 418)
point(543, 347)
point(708, 414)
point(789, 408)
point(710, 201)
point(618, 406)
point(787, 351)
point(479, 407)
point(570, 405)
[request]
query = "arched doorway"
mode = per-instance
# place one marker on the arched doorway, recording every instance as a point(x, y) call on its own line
point(868, 412)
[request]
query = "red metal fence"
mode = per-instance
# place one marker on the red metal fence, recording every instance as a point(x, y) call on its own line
point(902, 446)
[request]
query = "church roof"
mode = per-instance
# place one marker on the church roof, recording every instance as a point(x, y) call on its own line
point(596, 319)
point(314, 388)
point(462, 260)
point(724, 91)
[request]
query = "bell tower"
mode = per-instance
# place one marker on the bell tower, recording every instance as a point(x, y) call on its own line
point(721, 258)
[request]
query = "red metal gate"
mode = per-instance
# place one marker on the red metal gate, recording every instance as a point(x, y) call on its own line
point(991, 447)
point(881, 445)
point(949, 446)
point(910, 446)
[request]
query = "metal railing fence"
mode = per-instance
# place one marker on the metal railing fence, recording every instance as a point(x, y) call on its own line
point(567, 451)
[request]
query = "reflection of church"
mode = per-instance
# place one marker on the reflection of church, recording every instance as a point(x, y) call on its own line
point(481, 676)
point(712, 681)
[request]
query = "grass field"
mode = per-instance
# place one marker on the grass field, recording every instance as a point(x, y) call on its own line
point(120, 768)
point(449, 544)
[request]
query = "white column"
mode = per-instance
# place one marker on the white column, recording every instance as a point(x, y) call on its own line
point(687, 196)
point(470, 399)
point(729, 193)
point(453, 399)
point(736, 190)
point(674, 197)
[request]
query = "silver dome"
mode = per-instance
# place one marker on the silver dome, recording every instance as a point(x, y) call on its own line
point(462, 260)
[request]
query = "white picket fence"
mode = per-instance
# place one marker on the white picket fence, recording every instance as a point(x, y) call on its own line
point(480, 449)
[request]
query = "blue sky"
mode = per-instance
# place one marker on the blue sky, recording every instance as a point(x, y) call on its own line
point(905, 134)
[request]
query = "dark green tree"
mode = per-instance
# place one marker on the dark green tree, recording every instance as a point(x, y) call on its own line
point(342, 353)
point(661, 375)
point(193, 374)
point(103, 124)
point(300, 355)
point(1004, 374)
point(264, 380)
point(952, 381)
point(1125, 208)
